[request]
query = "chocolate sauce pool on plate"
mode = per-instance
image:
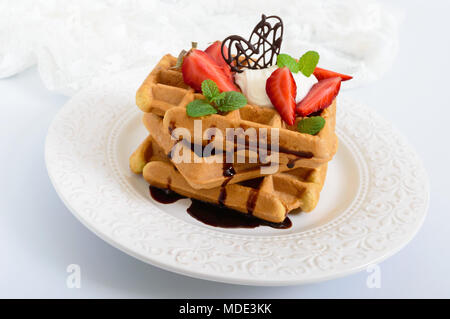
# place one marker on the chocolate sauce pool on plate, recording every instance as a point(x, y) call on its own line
point(164, 195)
point(214, 215)
point(224, 217)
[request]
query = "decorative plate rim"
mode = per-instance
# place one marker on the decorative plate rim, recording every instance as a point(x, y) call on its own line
point(310, 256)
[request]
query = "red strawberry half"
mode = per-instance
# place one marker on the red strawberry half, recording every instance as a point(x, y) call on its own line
point(320, 96)
point(215, 52)
point(322, 74)
point(282, 90)
point(199, 66)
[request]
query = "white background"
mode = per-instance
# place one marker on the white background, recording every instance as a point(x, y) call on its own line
point(39, 237)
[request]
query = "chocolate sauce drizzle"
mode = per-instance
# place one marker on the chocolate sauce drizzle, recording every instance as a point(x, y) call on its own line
point(230, 169)
point(228, 172)
point(259, 51)
point(171, 127)
point(291, 162)
point(217, 215)
point(251, 200)
point(223, 193)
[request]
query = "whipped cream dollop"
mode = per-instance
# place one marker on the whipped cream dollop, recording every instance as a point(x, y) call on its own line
point(253, 85)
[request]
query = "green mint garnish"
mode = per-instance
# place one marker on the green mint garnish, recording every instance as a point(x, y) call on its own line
point(224, 102)
point(306, 64)
point(218, 97)
point(210, 89)
point(231, 101)
point(311, 125)
point(199, 108)
point(288, 61)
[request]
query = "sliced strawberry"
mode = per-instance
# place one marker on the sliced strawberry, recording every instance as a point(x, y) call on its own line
point(199, 66)
point(320, 96)
point(282, 90)
point(322, 74)
point(215, 52)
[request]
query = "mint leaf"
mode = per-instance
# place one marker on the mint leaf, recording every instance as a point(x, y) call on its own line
point(308, 62)
point(311, 125)
point(210, 89)
point(225, 101)
point(288, 61)
point(199, 108)
point(231, 101)
point(221, 96)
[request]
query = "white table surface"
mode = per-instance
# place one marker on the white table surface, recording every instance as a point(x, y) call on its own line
point(39, 237)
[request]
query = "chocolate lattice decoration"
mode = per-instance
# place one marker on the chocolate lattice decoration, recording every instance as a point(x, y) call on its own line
point(260, 51)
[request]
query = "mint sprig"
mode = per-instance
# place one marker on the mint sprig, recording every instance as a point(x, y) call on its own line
point(311, 125)
point(219, 97)
point(199, 108)
point(306, 64)
point(210, 89)
point(230, 101)
point(215, 101)
point(288, 61)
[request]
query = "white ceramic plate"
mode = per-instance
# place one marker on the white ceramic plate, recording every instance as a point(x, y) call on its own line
point(374, 200)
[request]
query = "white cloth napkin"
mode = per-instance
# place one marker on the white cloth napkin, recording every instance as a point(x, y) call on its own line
point(76, 43)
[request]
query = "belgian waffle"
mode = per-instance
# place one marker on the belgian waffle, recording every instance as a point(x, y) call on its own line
point(269, 198)
point(164, 93)
point(207, 172)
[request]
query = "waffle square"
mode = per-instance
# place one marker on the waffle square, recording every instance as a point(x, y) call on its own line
point(270, 197)
point(208, 172)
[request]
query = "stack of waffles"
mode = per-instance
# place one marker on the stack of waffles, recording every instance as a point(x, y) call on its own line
point(243, 185)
